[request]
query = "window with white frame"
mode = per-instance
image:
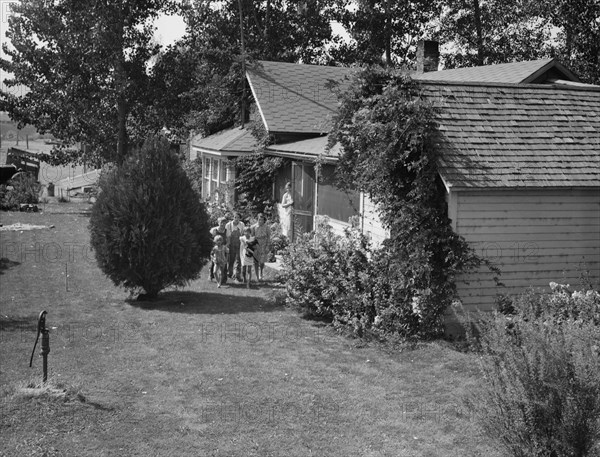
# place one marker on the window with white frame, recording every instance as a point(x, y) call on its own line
point(215, 177)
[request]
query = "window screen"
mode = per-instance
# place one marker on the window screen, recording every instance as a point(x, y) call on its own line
point(215, 169)
point(223, 175)
point(206, 167)
point(334, 202)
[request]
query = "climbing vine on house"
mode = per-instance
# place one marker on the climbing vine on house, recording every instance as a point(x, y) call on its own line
point(386, 131)
point(255, 175)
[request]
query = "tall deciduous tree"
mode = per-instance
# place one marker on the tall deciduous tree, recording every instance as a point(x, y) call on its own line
point(85, 64)
point(578, 24)
point(207, 97)
point(483, 32)
point(383, 30)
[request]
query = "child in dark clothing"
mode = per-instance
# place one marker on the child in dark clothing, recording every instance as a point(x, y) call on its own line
point(218, 255)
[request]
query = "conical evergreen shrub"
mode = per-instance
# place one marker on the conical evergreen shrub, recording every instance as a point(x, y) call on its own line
point(149, 229)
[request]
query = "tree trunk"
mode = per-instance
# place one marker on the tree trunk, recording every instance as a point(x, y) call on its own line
point(477, 12)
point(122, 140)
point(388, 35)
point(243, 52)
point(121, 89)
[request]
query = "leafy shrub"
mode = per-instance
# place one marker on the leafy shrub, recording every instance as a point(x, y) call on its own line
point(148, 229)
point(369, 291)
point(317, 270)
point(23, 188)
point(279, 242)
point(541, 366)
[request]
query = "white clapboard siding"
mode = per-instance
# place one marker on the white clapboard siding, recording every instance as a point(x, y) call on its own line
point(371, 222)
point(76, 183)
point(534, 236)
point(338, 226)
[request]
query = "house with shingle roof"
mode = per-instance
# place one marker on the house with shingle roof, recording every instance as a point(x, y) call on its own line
point(520, 162)
point(217, 152)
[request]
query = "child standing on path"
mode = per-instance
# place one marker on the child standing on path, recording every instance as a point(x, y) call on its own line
point(235, 229)
point(248, 245)
point(219, 230)
point(218, 255)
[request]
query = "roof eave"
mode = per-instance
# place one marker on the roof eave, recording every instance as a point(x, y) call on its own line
point(253, 90)
point(463, 188)
point(221, 153)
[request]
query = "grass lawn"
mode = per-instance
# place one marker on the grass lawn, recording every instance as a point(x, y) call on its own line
point(204, 371)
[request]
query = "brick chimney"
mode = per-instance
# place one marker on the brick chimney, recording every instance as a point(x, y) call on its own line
point(428, 56)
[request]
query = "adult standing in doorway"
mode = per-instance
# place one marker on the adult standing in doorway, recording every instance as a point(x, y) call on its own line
point(235, 229)
point(287, 203)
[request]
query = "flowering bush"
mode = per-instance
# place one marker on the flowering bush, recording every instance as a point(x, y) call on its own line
point(561, 305)
point(541, 366)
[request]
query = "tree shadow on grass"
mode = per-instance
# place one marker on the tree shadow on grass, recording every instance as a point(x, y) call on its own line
point(189, 302)
point(22, 323)
point(5, 264)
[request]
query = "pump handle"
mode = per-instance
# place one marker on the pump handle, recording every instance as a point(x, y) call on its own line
point(41, 327)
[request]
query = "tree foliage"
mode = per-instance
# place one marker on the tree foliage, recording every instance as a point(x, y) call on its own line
point(483, 32)
point(148, 228)
point(201, 76)
point(382, 30)
point(85, 68)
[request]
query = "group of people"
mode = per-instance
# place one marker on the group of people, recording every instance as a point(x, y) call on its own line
point(239, 249)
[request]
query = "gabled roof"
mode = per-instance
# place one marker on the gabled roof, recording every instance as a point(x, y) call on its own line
point(293, 98)
point(533, 71)
point(498, 136)
point(491, 134)
point(234, 141)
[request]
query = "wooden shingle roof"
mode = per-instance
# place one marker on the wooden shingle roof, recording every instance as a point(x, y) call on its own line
point(294, 98)
point(491, 134)
point(532, 71)
point(498, 136)
point(234, 140)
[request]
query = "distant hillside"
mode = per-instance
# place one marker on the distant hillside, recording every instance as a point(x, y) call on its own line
point(4, 117)
point(8, 129)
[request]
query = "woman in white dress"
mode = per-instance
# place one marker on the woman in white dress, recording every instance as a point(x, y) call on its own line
point(287, 203)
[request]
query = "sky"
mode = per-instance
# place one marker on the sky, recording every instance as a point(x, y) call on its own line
point(169, 29)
